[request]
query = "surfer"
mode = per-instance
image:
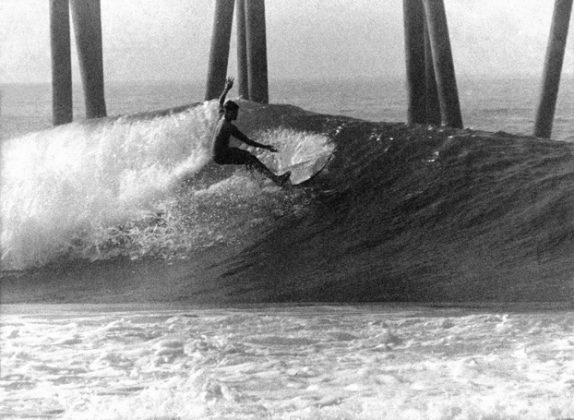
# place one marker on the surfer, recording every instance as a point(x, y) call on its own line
point(225, 155)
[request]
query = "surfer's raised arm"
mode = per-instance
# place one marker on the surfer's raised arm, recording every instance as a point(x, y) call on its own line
point(227, 88)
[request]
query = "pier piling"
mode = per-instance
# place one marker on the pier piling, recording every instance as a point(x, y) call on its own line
point(257, 51)
point(242, 65)
point(432, 102)
point(62, 105)
point(219, 51)
point(431, 80)
point(553, 68)
point(423, 103)
point(86, 15)
point(415, 61)
point(443, 63)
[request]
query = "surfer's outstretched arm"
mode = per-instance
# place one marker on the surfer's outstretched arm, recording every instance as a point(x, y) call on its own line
point(240, 136)
point(227, 88)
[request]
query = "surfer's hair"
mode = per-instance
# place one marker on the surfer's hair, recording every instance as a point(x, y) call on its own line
point(231, 106)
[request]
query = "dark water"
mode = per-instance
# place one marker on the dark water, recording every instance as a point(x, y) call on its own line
point(401, 214)
point(426, 215)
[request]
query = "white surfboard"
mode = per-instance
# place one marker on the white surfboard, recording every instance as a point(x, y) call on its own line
point(304, 171)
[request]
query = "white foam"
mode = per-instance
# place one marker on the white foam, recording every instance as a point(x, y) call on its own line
point(295, 146)
point(286, 362)
point(77, 178)
point(109, 188)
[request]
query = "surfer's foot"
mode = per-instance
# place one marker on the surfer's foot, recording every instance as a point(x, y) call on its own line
point(282, 179)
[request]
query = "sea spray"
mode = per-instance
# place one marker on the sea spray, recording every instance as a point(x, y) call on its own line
point(140, 186)
point(296, 146)
point(227, 212)
point(84, 176)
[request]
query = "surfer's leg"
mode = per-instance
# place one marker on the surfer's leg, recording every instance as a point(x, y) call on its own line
point(242, 157)
point(258, 165)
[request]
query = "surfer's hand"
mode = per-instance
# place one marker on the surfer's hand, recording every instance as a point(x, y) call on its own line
point(229, 83)
point(271, 149)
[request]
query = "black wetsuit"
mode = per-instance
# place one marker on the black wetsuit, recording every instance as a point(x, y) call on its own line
point(225, 155)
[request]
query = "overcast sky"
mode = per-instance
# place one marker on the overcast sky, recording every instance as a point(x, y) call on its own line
point(170, 39)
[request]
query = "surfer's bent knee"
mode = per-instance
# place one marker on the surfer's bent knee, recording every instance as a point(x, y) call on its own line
point(234, 156)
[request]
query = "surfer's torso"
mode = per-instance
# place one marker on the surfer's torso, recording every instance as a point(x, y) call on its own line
point(221, 137)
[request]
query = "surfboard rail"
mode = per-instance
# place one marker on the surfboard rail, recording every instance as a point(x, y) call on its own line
point(304, 171)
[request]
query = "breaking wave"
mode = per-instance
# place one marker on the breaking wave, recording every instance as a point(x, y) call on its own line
point(401, 213)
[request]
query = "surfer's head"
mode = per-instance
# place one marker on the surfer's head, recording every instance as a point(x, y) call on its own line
point(231, 110)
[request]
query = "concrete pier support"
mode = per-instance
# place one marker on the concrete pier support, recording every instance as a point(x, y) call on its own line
point(257, 51)
point(415, 61)
point(433, 116)
point(219, 52)
point(242, 64)
point(553, 68)
point(62, 105)
point(423, 103)
point(443, 63)
point(86, 15)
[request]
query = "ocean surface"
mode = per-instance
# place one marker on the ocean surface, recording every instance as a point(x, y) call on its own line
point(494, 104)
point(426, 273)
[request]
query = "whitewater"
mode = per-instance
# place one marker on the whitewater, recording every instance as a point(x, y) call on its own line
point(67, 190)
point(426, 273)
point(286, 362)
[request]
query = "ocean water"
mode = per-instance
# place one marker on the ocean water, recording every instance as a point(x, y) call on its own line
point(427, 273)
point(487, 103)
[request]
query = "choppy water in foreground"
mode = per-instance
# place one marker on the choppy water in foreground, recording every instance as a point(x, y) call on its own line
point(286, 362)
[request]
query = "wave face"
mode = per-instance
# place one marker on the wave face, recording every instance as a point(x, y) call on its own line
point(131, 208)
